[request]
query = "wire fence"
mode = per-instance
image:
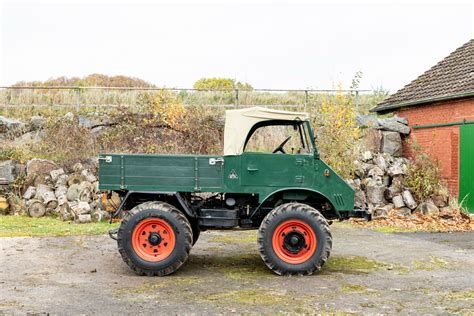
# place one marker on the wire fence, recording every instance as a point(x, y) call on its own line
point(60, 96)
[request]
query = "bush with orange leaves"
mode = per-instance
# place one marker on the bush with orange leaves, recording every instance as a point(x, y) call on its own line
point(336, 131)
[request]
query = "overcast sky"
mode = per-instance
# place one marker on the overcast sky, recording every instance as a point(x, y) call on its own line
point(270, 45)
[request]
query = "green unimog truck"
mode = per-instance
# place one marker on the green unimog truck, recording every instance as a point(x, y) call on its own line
point(269, 178)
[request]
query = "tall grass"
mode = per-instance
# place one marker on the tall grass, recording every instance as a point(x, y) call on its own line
point(109, 97)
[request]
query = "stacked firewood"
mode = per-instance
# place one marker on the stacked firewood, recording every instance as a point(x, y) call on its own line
point(69, 195)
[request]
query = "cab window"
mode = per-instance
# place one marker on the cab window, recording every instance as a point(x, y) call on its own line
point(280, 139)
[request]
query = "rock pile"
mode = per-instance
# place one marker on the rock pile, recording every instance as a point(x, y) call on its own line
point(69, 193)
point(381, 169)
point(380, 187)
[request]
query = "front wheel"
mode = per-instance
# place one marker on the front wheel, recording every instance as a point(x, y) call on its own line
point(294, 239)
point(154, 239)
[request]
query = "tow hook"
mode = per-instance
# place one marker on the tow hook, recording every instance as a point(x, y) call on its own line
point(113, 233)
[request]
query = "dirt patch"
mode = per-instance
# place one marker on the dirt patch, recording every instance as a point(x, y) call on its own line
point(368, 272)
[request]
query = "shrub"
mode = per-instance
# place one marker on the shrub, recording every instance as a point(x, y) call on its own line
point(337, 133)
point(65, 140)
point(424, 176)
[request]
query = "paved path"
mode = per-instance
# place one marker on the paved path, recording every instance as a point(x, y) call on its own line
point(368, 272)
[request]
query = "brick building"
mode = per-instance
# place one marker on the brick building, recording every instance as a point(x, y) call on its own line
point(439, 106)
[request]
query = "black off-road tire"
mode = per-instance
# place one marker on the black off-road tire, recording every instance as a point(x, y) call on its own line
point(298, 212)
point(181, 228)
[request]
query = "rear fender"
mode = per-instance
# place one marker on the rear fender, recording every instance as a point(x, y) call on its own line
point(175, 198)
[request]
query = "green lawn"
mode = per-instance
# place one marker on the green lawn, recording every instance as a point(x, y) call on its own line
point(11, 226)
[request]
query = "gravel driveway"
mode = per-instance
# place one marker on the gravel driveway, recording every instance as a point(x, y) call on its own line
point(368, 272)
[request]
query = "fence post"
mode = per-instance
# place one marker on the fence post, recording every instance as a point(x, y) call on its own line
point(305, 99)
point(78, 99)
point(236, 100)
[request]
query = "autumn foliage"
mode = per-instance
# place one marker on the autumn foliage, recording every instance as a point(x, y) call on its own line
point(336, 131)
point(92, 80)
point(220, 84)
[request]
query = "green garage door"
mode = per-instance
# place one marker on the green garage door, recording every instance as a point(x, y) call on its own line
point(466, 170)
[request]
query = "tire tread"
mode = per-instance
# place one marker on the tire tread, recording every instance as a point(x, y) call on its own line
point(166, 208)
point(285, 209)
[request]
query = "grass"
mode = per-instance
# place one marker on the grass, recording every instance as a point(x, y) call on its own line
point(135, 97)
point(234, 267)
point(227, 238)
point(395, 229)
point(466, 295)
point(151, 288)
point(434, 264)
point(259, 297)
point(14, 226)
point(353, 264)
point(354, 288)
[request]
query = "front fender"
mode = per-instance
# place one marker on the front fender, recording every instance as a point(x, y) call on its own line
point(300, 194)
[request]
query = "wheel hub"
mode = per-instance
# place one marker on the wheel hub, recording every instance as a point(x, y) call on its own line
point(154, 239)
point(294, 242)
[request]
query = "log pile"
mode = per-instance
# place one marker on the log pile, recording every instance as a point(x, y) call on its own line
point(69, 195)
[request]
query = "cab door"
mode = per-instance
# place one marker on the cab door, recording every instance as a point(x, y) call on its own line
point(275, 170)
point(278, 156)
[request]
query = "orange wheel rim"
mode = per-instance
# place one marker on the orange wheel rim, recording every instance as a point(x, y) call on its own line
point(153, 239)
point(294, 241)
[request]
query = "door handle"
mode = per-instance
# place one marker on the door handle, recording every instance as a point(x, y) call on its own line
point(252, 169)
point(107, 159)
point(213, 161)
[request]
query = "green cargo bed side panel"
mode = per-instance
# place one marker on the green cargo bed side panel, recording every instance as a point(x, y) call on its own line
point(160, 173)
point(261, 174)
point(466, 169)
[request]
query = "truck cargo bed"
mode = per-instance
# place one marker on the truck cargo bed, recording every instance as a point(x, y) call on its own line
point(141, 172)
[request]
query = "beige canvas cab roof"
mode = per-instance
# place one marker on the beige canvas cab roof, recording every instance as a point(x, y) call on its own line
point(238, 124)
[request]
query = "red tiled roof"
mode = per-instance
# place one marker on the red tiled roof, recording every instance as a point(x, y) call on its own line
point(451, 78)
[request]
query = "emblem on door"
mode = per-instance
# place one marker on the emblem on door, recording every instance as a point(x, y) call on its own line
point(233, 174)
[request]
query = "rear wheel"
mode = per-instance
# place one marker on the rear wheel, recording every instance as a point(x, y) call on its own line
point(294, 239)
point(154, 238)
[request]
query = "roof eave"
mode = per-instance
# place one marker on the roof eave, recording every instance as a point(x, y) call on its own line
point(390, 107)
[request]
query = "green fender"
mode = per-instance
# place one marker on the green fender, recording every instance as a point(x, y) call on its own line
point(299, 194)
